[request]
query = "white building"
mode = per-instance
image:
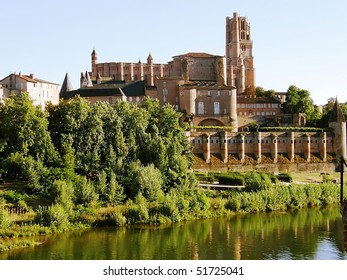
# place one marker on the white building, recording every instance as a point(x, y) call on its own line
point(39, 90)
point(4, 93)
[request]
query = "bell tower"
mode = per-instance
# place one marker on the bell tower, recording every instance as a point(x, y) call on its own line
point(239, 53)
point(94, 58)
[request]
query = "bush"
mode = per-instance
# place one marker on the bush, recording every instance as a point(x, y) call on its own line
point(255, 181)
point(314, 194)
point(137, 213)
point(54, 215)
point(199, 203)
point(114, 191)
point(169, 208)
point(64, 193)
point(204, 176)
point(118, 218)
point(284, 177)
point(234, 179)
point(146, 180)
point(298, 196)
point(5, 221)
point(330, 193)
point(20, 167)
point(234, 203)
point(85, 192)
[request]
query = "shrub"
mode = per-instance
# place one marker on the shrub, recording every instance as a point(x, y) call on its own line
point(255, 181)
point(326, 178)
point(5, 221)
point(63, 192)
point(146, 180)
point(169, 208)
point(18, 166)
point(137, 213)
point(330, 193)
point(234, 203)
point(199, 203)
point(314, 194)
point(114, 192)
point(85, 192)
point(298, 196)
point(234, 179)
point(101, 184)
point(118, 218)
point(54, 215)
point(285, 177)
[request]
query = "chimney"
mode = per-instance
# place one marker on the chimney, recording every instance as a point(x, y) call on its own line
point(32, 76)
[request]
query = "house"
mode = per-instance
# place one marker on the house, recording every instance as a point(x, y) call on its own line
point(40, 91)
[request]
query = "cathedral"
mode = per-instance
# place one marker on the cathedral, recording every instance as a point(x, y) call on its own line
point(216, 95)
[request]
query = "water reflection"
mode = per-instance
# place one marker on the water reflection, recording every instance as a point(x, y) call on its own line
point(303, 234)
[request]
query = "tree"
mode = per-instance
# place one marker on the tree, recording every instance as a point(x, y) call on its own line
point(115, 192)
point(298, 101)
point(146, 180)
point(261, 92)
point(24, 130)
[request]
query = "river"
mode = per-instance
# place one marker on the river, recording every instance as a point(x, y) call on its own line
point(296, 235)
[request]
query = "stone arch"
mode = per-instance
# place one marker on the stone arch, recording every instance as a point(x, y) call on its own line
point(211, 122)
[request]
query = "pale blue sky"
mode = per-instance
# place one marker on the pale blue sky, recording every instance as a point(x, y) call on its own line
point(300, 42)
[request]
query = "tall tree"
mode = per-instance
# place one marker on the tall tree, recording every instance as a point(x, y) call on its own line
point(24, 129)
point(298, 101)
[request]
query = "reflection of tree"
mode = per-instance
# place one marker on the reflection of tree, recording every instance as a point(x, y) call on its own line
point(293, 235)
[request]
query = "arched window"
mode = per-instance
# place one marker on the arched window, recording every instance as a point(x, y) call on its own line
point(216, 108)
point(201, 108)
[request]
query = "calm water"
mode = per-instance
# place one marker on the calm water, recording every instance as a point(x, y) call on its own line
point(303, 234)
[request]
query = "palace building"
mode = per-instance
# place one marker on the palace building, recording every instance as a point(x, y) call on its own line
point(216, 95)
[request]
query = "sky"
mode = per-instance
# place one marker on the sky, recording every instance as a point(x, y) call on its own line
point(295, 42)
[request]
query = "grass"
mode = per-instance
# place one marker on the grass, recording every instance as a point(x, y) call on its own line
point(313, 177)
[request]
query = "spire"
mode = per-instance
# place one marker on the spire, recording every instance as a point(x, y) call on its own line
point(66, 86)
point(149, 58)
point(93, 52)
point(88, 80)
point(336, 114)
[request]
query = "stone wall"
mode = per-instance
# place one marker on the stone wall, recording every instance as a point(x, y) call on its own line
point(291, 167)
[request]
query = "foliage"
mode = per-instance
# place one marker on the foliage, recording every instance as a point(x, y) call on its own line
point(114, 192)
point(299, 101)
point(285, 177)
point(118, 218)
point(261, 92)
point(255, 181)
point(85, 192)
point(234, 179)
point(54, 215)
point(63, 192)
point(283, 197)
point(24, 129)
point(5, 221)
point(137, 211)
point(146, 180)
point(290, 128)
point(25, 168)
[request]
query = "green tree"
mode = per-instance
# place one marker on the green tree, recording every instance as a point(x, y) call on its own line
point(85, 192)
point(299, 101)
point(64, 194)
point(24, 129)
point(261, 92)
point(146, 180)
point(115, 192)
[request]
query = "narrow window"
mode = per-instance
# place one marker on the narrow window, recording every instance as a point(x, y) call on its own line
point(201, 108)
point(216, 108)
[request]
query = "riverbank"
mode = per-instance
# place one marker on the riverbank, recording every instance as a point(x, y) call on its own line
point(260, 195)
